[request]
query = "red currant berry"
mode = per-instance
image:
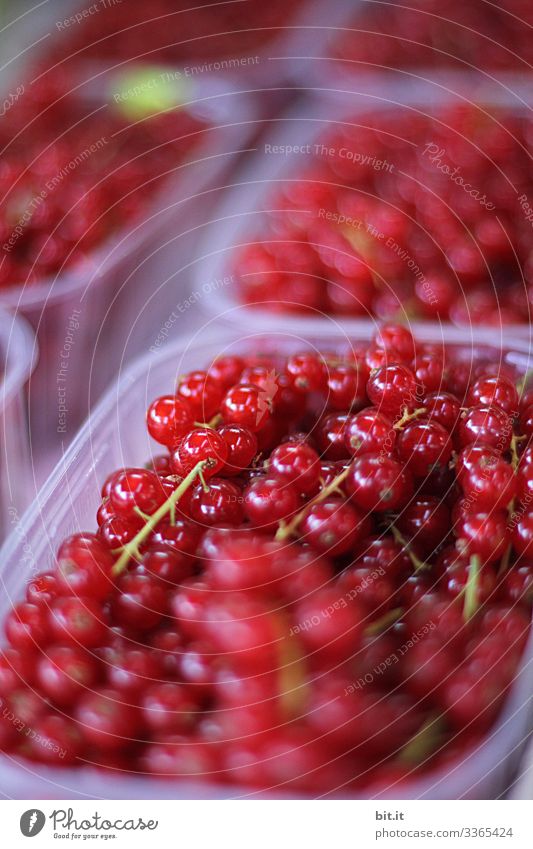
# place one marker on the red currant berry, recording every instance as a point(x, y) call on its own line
point(369, 432)
point(242, 448)
point(64, 671)
point(246, 405)
point(378, 483)
point(168, 708)
point(424, 446)
point(333, 527)
point(84, 567)
point(168, 420)
point(307, 372)
point(78, 620)
point(393, 388)
point(203, 443)
point(220, 504)
point(484, 534)
point(494, 391)
point(298, 464)
point(107, 721)
point(140, 601)
point(27, 626)
point(136, 489)
point(269, 501)
point(201, 393)
point(486, 426)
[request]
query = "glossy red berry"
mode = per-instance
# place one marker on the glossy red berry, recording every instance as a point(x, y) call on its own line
point(494, 391)
point(333, 527)
point(84, 566)
point(168, 420)
point(136, 490)
point(201, 393)
point(247, 405)
point(369, 432)
point(298, 464)
point(485, 426)
point(242, 448)
point(378, 483)
point(221, 503)
point(200, 444)
point(392, 388)
point(424, 447)
point(269, 501)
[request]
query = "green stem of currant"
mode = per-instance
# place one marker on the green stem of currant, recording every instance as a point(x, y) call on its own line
point(415, 560)
point(214, 422)
point(409, 417)
point(506, 559)
point(521, 385)
point(132, 548)
point(384, 622)
point(471, 589)
point(286, 530)
point(425, 742)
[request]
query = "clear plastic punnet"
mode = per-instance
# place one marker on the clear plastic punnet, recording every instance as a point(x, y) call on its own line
point(115, 436)
point(18, 355)
point(91, 316)
point(288, 150)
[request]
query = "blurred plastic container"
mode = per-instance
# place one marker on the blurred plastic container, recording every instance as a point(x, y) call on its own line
point(282, 155)
point(18, 355)
point(468, 46)
point(249, 45)
point(84, 316)
point(115, 436)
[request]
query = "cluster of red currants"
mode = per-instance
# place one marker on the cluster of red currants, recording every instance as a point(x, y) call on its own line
point(70, 176)
point(400, 215)
point(325, 581)
point(466, 36)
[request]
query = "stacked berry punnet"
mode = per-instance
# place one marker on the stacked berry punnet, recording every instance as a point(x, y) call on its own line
point(324, 580)
point(71, 175)
point(396, 214)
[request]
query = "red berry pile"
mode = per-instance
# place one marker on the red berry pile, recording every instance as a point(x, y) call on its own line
point(324, 581)
point(425, 34)
point(71, 175)
point(398, 214)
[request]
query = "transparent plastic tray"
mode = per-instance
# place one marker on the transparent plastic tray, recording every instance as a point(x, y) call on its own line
point(18, 355)
point(276, 58)
point(330, 71)
point(238, 220)
point(95, 317)
point(115, 436)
